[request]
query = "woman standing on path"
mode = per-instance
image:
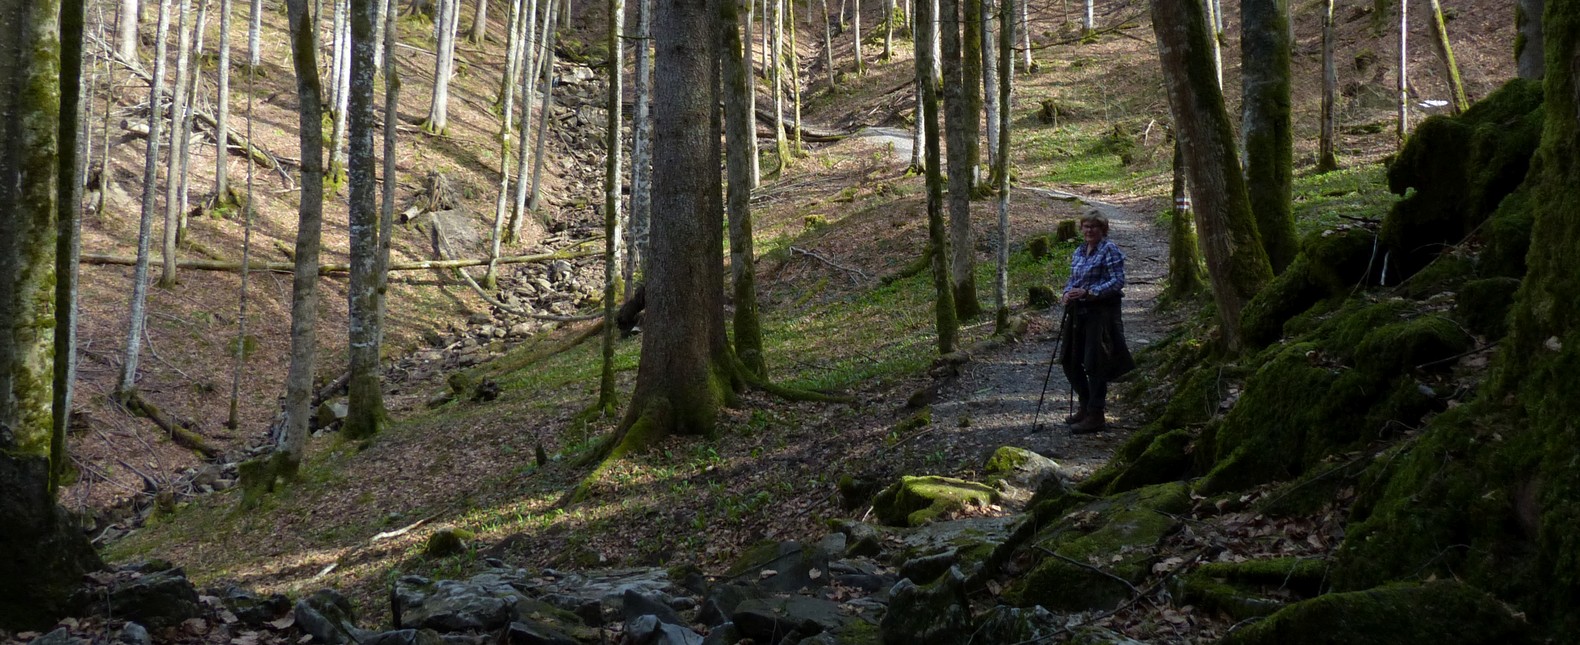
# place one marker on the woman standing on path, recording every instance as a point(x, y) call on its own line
point(1094, 351)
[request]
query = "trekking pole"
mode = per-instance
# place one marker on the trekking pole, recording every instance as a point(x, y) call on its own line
point(1058, 342)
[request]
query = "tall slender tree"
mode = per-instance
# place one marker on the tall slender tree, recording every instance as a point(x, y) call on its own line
point(1236, 262)
point(611, 203)
point(1004, 62)
point(641, 148)
point(855, 29)
point(365, 398)
point(990, 82)
point(1402, 125)
point(507, 98)
point(127, 384)
point(546, 61)
point(340, 90)
point(387, 207)
point(222, 191)
point(178, 142)
point(1445, 55)
point(1184, 262)
point(233, 421)
point(1265, 48)
point(1529, 51)
point(888, 30)
point(1327, 159)
point(254, 33)
point(828, 47)
point(530, 59)
point(751, 88)
point(126, 30)
point(479, 31)
point(774, 57)
point(46, 555)
point(738, 130)
point(937, 233)
point(961, 116)
point(445, 29)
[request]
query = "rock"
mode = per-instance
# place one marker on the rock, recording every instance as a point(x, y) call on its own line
point(134, 634)
point(461, 230)
point(1003, 624)
point(1019, 467)
point(1040, 296)
point(405, 637)
point(447, 541)
point(60, 636)
point(862, 539)
point(521, 329)
point(974, 543)
point(766, 620)
point(534, 633)
point(1090, 635)
point(560, 270)
point(634, 605)
point(726, 634)
point(935, 613)
point(649, 630)
point(484, 602)
point(330, 414)
point(250, 608)
point(475, 320)
point(329, 618)
point(791, 563)
point(157, 599)
point(927, 568)
point(1436, 613)
point(914, 501)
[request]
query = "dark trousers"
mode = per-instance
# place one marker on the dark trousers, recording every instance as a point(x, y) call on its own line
point(1085, 355)
point(1092, 391)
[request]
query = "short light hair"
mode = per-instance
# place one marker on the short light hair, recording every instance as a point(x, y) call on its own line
point(1098, 218)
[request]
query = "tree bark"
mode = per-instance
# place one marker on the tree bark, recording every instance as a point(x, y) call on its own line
point(222, 193)
point(507, 103)
point(1445, 55)
point(546, 60)
point(960, 125)
point(797, 147)
point(751, 87)
point(479, 24)
point(292, 445)
point(828, 47)
point(990, 79)
point(340, 91)
point(1025, 35)
point(738, 133)
point(855, 28)
point(685, 374)
point(1327, 158)
point(134, 340)
point(641, 149)
point(233, 420)
point(888, 30)
point(611, 203)
point(775, 59)
point(937, 234)
point(1402, 130)
point(1236, 262)
point(126, 30)
point(178, 142)
point(365, 398)
point(1528, 42)
point(254, 33)
point(1265, 124)
point(1005, 78)
point(187, 118)
point(387, 211)
point(1184, 263)
point(529, 60)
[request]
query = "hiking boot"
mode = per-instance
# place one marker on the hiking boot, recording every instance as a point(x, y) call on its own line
point(1094, 422)
point(1073, 419)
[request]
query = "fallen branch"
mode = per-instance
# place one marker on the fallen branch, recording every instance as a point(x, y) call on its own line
point(262, 157)
point(179, 433)
point(819, 257)
point(326, 269)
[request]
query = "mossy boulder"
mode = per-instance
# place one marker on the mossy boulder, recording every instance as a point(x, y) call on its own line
point(1403, 345)
point(1097, 546)
point(1243, 590)
point(1484, 305)
point(1506, 237)
point(1454, 171)
point(914, 501)
point(1435, 613)
point(1167, 458)
point(1331, 263)
point(447, 541)
point(1018, 467)
point(1040, 296)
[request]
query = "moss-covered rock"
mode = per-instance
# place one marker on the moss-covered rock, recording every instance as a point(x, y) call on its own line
point(1484, 305)
point(1437, 613)
point(1166, 459)
point(1331, 262)
point(1460, 168)
point(1243, 590)
point(1292, 292)
point(1098, 545)
point(1400, 346)
point(914, 501)
point(1506, 237)
point(447, 541)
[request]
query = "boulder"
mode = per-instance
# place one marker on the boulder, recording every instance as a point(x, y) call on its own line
point(60, 636)
point(330, 413)
point(250, 608)
point(1435, 613)
point(914, 501)
point(767, 620)
point(405, 637)
point(157, 598)
point(649, 630)
point(635, 605)
point(134, 634)
point(534, 633)
point(787, 566)
point(1020, 468)
point(1004, 624)
point(934, 613)
point(329, 618)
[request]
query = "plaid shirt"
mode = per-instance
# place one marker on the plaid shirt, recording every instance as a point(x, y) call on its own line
point(1101, 273)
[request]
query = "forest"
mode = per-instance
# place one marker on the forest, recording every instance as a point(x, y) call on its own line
point(714, 322)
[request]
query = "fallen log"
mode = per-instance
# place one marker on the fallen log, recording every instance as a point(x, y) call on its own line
point(180, 431)
point(326, 269)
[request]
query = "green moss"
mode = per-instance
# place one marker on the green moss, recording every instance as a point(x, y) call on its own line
point(447, 541)
point(1445, 273)
point(1438, 613)
point(1004, 461)
point(1412, 343)
point(914, 501)
point(921, 419)
point(1484, 305)
point(1245, 590)
point(1506, 237)
point(1292, 292)
point(1166, 459)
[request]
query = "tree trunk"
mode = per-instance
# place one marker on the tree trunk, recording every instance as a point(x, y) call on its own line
point(1089, 19)
point(340, 91)
point(751, 87)
point(156, 119)
point(888, 30)
point(479, 24)
point(529, 60)
point(1445, 55)
point(46, 555)
point(1236, 262)
point(178, 143)
point(1215, 21)
point(797, 146)
point(828, 47)
point(960, 125)
point(292, 445)
point(855, 28)
point(222, 193)
point(611, 204)
point(387, 210)
point(365, 398)
point(937, 234)
point(1025, 35)
point(378, 36)
point(546, 60)
point(1265, 123)
point(1184, 264)
point(1528, 47)
point(254, 32)
point(74, 141)
point(1005, 79)
point(187, 117)
point(990, 75)
point(1327, 159)
point(685, 375)
point(775, 59)
point(233, 421)
point(1403, 127)
point(642, 149)
point(444, 62)
point(126, 30)
point(738, 133)
point(507, 104)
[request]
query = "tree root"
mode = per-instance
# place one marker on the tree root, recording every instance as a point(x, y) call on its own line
point(921, 264)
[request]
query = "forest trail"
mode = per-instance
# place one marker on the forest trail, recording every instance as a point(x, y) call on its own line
point(997, 392)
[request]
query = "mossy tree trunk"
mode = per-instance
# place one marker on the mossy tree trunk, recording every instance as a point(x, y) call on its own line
point(139, 301)
point(1265, 123)
point(222, 193)
point(1184, 261)
point(686, 373)
point(937, 233)
point(529, 59)
point(611, 203)
point(479, 31)
point(1445, 55)
point(45, 553)
point(1327, 159)
point(507, 105)
point(1005, 64)
point(545, 62)
point(292, 446)
point(1236, 262)
point(774, 57)
point(961, 115)
point(828, 47)
point(365, 394)
point(738, 131)
point(1402, 89)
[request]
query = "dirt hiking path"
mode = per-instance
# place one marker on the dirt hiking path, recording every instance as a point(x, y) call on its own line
point(997, 391)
